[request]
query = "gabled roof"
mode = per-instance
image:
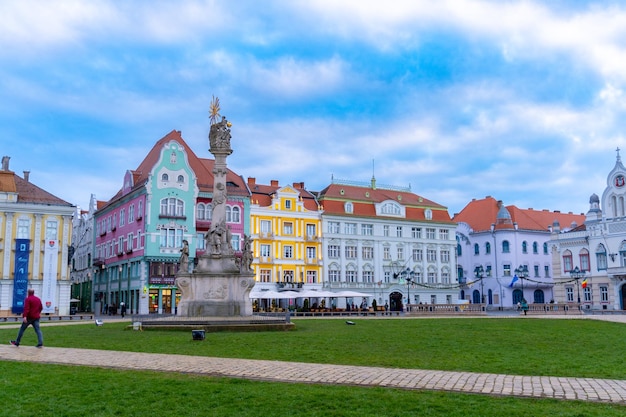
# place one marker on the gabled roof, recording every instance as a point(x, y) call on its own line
point(202, 168)
point(262, 194)
point(26, 191)
point(364, 200)
point(481, 214)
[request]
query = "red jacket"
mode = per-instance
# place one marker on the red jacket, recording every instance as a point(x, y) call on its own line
point(32, 308)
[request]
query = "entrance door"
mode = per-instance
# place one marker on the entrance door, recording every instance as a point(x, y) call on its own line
point(395, 301)
point(167, 301)
point(623, 296)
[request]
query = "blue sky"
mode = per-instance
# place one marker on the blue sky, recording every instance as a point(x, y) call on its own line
point(520, 100)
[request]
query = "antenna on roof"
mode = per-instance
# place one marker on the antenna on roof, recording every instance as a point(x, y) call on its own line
point(373, 176)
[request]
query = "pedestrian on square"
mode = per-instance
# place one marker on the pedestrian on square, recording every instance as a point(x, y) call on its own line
point(31, 316)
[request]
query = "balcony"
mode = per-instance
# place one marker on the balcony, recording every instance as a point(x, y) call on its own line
point(311, 238)
point(266, 235)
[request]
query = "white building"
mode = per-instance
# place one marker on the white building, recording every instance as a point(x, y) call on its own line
point(504, 253)
point(590, 261)
point(387, 242)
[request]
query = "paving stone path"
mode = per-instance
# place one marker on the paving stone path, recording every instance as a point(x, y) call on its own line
point(585, 389)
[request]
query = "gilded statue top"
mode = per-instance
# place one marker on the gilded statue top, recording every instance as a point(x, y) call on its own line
point(219, 136)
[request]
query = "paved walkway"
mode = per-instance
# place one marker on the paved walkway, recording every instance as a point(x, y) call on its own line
point(585, 389)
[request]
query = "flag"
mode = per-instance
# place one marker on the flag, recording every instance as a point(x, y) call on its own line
point(584, 283)
point(515, 278)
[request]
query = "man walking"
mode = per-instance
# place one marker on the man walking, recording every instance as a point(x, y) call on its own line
point(31, 315)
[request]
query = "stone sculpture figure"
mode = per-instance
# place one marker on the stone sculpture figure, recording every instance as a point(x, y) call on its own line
point(184, 257)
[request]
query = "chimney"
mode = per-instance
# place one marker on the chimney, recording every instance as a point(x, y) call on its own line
point(251, 182)
point(298, 185)
point(26, 175)
point(5, 163)
point(274, 183)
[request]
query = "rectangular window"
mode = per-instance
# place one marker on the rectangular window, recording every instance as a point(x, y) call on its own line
point(288, 252)
point(334, 275)
point(431, 255)
point(567, 263)
point(333, 251)
point(507, 270)
point(350, 228)
point(129, 242)
point(418, 255)
point(386, 254)
point(51, 229)
point(288, 228)
point(311, 277)
point(367, 229)
point(368, 253)
point(333, 227)
point(430, 233)
point(368, 276)
point(266, 226)
point(120, 245)
point(311, 252)
point(387, 276)
point(443, 234)
point(400, 253)
point(432, 277)
point(546, 271)
point(351, 252)
point(445, 256)
point(288, 204)
point(122, 217)
point(398, 231)
point(23, 229)
point(265, 250)
point(265, 275)
point(604, 294)
point(171, 238)
point(386, 230)
point(235, 242)
point(536, 270)
point(416, 232)
point(201, 245)
point(445, 277)
point(351, 276)
point(587, 294)
point(311, 230)
point(131, 213)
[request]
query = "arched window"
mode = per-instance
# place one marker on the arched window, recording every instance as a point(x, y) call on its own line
point(172, 207)
point(545, 248)
point(348, 207)
point(387, 208)
point(181, 179)
point(505, 246)
point(459, 250)
point(200, 211)
point(487, 248)
point(165, 177)
point(524, 247)
point(476, 249)
point(583, 255)
point(567, 261)
point(235, 218)
point(535, 247)
point(601, 257)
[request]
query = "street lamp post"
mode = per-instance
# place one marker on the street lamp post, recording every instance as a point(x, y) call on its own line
point(479, 273)
point(408, 275)
point(577, 274)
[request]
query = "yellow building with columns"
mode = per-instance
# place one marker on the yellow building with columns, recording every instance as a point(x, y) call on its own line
point(285, 224)
point(35, 237)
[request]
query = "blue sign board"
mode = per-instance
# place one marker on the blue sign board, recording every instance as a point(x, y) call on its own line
point(20, 282)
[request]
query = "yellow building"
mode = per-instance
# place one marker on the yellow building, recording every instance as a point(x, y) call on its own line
point(35, 236)
point(285, 223)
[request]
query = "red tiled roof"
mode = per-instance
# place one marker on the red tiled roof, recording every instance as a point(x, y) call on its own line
point(263, 194)
point(203, 168)
point(27, 192)
point(481, 214)
point(364, 199)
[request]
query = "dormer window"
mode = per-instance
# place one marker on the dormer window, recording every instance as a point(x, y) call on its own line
point(428, 214)
point(349, 207)
point(165, 177)
point(181, 179)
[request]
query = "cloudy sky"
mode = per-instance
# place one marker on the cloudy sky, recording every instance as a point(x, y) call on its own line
point(521, 100)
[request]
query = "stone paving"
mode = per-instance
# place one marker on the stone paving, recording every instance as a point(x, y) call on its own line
point(584, 389)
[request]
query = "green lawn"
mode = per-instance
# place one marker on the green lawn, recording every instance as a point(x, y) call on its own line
point(582, 348)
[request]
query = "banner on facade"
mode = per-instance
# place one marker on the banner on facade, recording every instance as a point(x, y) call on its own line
point(20, 279)
point(50, 268)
